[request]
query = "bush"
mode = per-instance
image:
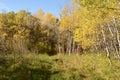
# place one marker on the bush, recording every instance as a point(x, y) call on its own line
point(59, 67)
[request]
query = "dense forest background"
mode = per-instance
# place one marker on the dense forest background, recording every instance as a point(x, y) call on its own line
point(84, 26)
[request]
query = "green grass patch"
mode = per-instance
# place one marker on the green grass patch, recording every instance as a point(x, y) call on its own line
point(58, 67)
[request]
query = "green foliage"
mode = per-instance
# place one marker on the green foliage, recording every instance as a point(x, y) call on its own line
point(85, 25)
point(60, 67)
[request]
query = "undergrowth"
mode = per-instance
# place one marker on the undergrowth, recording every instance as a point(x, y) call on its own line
point(58, 67)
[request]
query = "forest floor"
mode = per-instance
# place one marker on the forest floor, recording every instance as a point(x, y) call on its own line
point(59, 67)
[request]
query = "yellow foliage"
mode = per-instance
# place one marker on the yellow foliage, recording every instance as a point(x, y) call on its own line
point(4, 35)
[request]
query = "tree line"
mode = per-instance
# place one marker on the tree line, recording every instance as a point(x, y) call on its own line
point(83, 26)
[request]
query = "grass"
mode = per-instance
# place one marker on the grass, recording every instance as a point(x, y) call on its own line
point(58, 67)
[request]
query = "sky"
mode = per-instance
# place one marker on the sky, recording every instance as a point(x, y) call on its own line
point(53, 6)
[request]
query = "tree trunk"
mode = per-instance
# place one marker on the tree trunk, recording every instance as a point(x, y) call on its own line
point(117, 36)
point(73, 46)
point(105, 43)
